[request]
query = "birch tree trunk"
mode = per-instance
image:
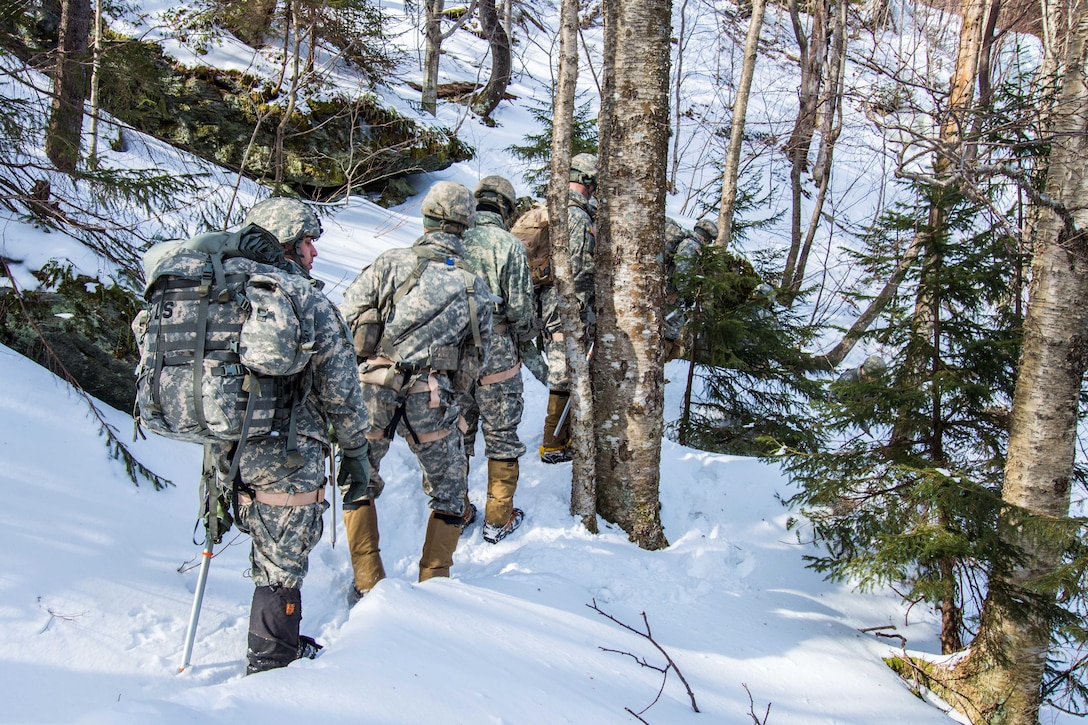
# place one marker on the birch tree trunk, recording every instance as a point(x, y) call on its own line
point(628, 380)
point(583, 494)
point(736, 132)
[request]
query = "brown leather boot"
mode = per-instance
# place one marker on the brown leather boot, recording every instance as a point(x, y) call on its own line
point(502, 482)
point(361, 525)
point(443, 531)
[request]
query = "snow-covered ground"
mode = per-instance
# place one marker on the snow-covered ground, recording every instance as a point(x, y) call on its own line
point(99, 575)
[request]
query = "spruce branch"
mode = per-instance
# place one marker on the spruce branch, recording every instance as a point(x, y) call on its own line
point(117, 448)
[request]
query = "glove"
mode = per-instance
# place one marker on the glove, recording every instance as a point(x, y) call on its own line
point(533, 360)
point(353, 476)
point(222, 520)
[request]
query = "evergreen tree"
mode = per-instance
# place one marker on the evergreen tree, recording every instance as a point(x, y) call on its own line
point(747, 390)
point(537, 149)
point(908, 493)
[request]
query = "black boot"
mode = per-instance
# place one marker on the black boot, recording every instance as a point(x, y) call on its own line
point(274, 620)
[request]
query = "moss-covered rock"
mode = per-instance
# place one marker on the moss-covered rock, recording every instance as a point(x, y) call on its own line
point(233, 119)
point(79, 327)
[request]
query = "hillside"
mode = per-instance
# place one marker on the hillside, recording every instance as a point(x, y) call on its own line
point(532, 630)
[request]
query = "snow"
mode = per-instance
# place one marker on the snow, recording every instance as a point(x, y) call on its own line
point(98, 581)
point(100, 576)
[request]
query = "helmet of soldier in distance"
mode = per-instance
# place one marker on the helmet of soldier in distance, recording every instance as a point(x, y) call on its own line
point(707, 229)
point(583, 169)
point(289, 220)
point(873, 365)
point(448, 206)
point(499, 192)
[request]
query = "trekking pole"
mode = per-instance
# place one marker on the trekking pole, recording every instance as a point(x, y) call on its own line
point(566, 408)
point(335, 490)
point(198, 598)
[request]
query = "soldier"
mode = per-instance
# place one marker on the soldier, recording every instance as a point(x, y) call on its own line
point(421, 321)
point(682, 248)
point(583, 185)
point(281, 498)
point(500, 258)
point(872, 367)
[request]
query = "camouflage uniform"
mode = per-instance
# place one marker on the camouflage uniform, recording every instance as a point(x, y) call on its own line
point(582, 243)
point(682, 249)
point(430, 429)
point(501, 260)
point(282, 531)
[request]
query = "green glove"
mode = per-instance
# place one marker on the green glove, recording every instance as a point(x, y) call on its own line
point(353, 476)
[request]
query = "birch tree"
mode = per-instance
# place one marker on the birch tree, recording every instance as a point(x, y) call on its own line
point(583, 497)
point(736, 133)
point(628, 386)
point(1001, 679)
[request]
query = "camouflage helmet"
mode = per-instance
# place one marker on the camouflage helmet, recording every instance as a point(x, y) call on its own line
point(448, 201)
point(290, 220)
point(707, 228)
point(874, 365)
point(583, 169)
point(498, 190)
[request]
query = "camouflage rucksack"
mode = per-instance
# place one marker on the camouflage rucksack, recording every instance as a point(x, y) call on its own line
point(432, 310)
point(224, 339)
point(532, 229)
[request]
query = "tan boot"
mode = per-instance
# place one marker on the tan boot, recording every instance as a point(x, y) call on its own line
point(361, 525)
point(443, 531)
point(556, 448)
point(502, 482)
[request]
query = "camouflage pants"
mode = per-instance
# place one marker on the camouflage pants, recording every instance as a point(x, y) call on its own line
point(445, 474)
point(558, 370)
point(497, 406)
point(281, 537)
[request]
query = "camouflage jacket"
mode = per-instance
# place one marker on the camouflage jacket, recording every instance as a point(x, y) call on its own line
point(681, 249)
point(500, 258)
point(582, 246)
point(418, 324)
point(335, 397)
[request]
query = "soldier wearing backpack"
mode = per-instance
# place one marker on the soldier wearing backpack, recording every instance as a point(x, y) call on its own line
point(497, 403)
point(281, 496)
point(583, 184)
point(421, 321)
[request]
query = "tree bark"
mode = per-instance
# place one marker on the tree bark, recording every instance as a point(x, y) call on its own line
point(813, 51)
point(628, 384)
point(432, 33)
point(830, 124)
point(1042, 439)
point(736, 132)
point(487, 100)
point(70, 80)
point(583, 494)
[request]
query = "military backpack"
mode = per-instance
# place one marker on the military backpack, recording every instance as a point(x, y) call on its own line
point(224, 340)
point(532, 229)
